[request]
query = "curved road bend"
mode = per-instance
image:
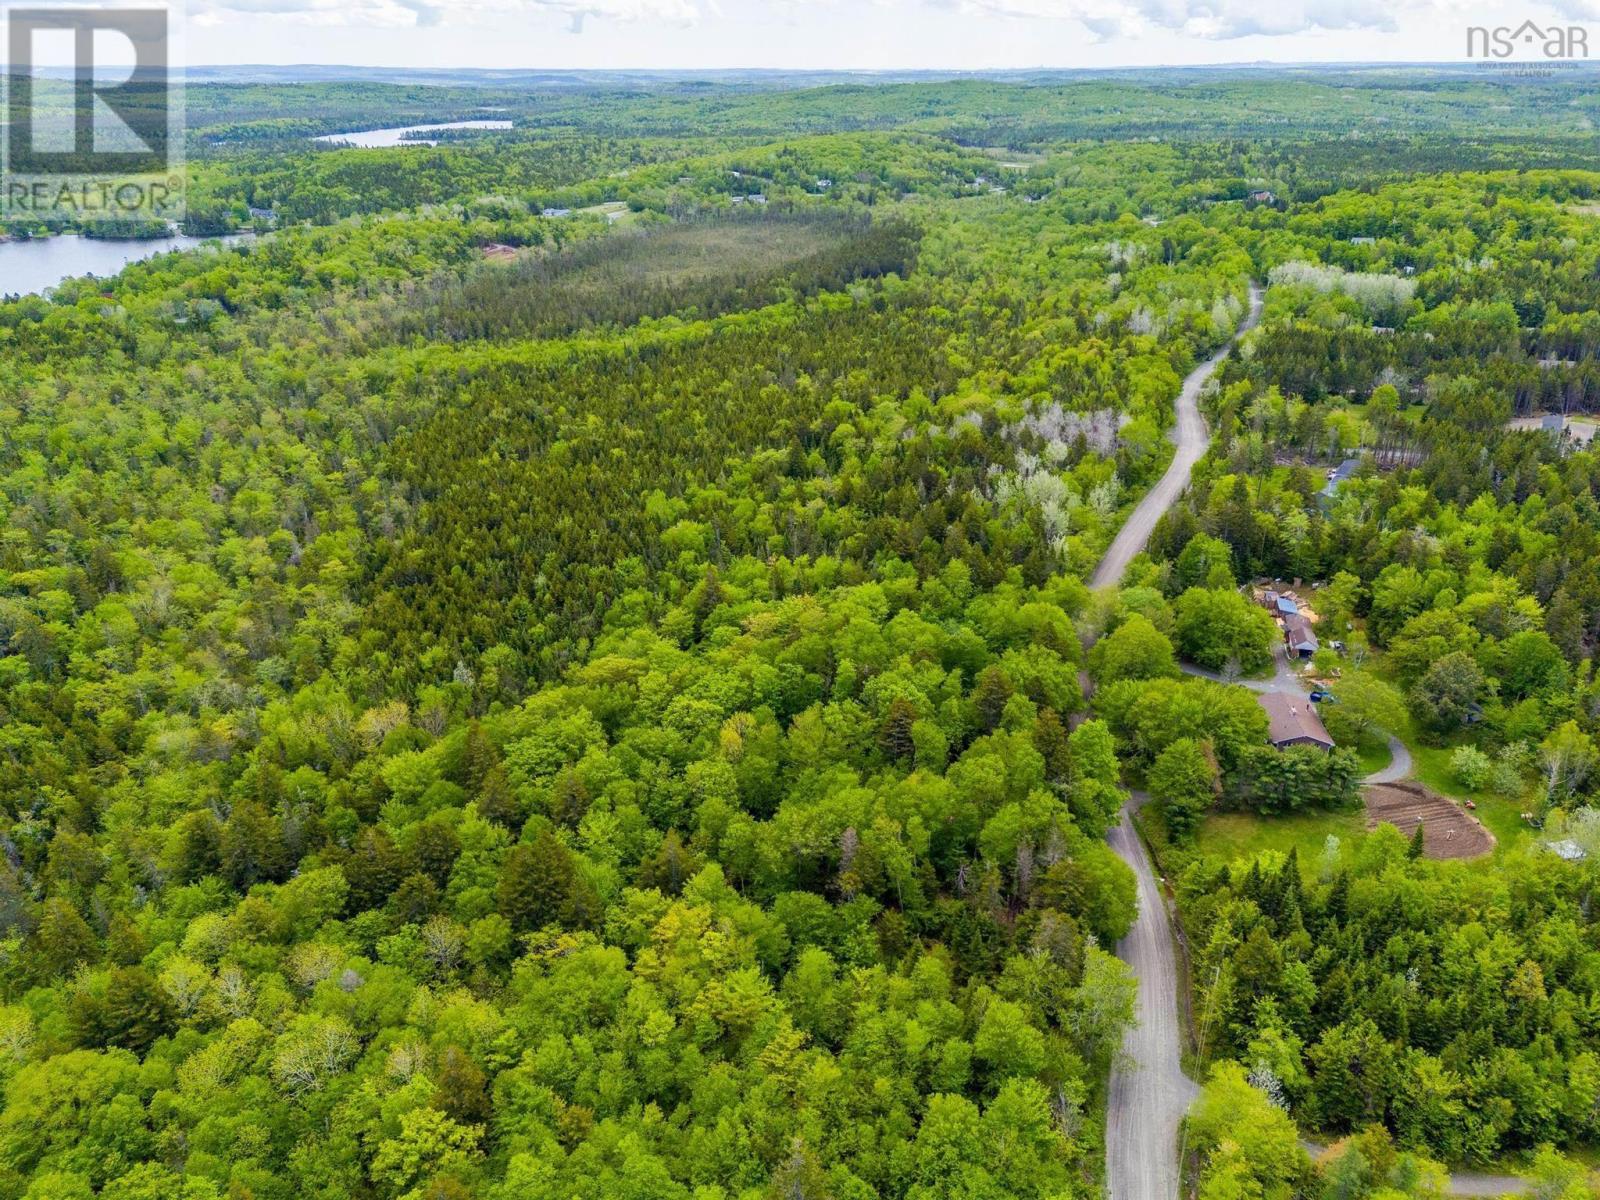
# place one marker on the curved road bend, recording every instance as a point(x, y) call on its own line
point(1192, 438)
point(1149, 1091)
point(1399, 768)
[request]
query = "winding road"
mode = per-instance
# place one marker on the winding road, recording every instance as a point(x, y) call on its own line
point(1192, 437)
point(1149, 1093)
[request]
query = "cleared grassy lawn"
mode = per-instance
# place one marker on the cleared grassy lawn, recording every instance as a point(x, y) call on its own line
point(1240, 837)
point(1235, 836)
point(614, 211)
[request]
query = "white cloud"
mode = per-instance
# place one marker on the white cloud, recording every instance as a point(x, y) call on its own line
point(1105, 20)
point(674, 12)
point(400, 14)
point(1220, 19)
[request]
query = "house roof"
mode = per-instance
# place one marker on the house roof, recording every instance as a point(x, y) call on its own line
point(1287, 606)
point(1292, 719)
point(1299, 632)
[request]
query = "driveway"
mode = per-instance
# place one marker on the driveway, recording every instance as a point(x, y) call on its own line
point(1284, 678)
point(1464, 1183)
point(1399, 764)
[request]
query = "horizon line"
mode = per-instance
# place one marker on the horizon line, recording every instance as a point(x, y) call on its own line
point(1240, 64)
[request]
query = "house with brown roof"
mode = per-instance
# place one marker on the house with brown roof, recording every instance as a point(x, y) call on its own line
point(1293, 721)
point(1299, 636)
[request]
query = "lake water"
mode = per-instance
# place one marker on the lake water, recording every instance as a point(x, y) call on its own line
point(33, 266)
point(405, 135)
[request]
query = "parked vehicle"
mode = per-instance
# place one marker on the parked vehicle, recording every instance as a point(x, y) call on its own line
point(1321, 697)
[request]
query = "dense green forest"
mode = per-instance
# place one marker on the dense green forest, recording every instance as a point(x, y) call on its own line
point(607, 703)
point(386, 686)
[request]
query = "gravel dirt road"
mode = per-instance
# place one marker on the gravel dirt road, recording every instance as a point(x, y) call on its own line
point(1191, 436)
point(1149, 1091)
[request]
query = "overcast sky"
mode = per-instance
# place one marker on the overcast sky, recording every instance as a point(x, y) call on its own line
point(864, 34)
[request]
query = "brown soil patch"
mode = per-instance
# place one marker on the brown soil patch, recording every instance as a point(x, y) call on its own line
point(1448, 830)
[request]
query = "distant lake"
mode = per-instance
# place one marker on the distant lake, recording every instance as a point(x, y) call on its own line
point(371, 139)
point(33, 266)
